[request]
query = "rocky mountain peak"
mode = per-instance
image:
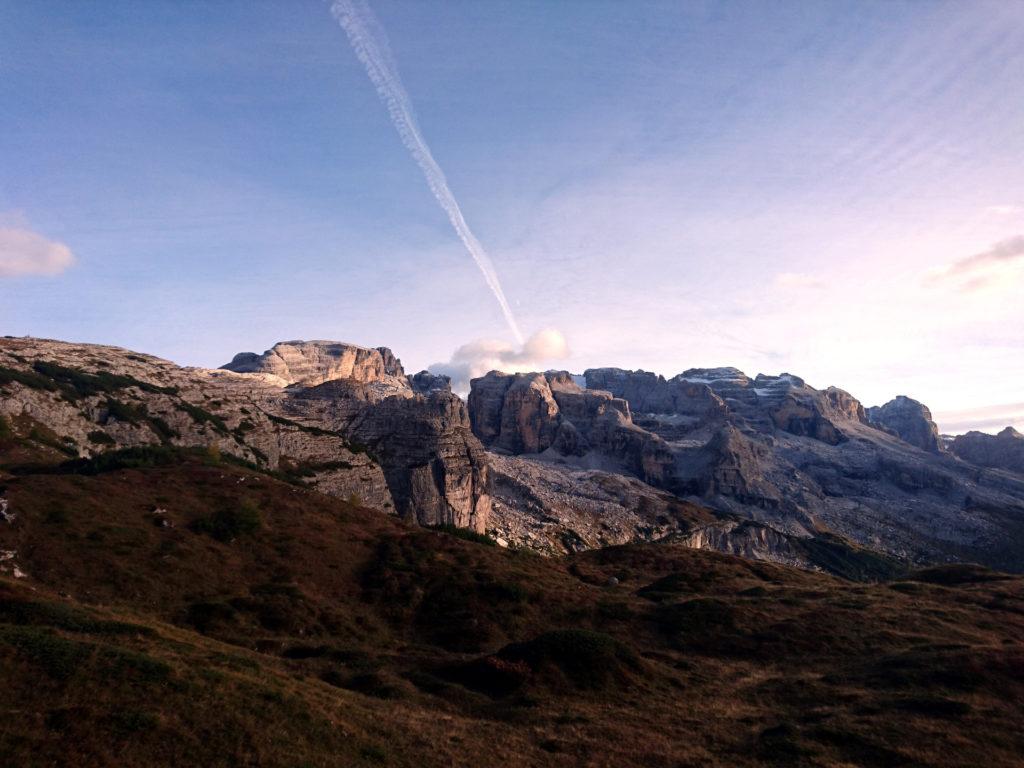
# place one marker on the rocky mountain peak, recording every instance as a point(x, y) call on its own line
point(1002, 451)
point(909, 420)
point(309, 363)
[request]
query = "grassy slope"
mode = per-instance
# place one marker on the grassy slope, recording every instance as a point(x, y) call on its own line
point(323, 634)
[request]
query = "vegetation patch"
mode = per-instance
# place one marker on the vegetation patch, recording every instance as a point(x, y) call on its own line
point(129, 413)
point(202, 416)
point(75, 384)
point(137, 457)
point(837, 556)
point(465, 533)
point(957, 574)
point(59, 616)
point(58, 656)
point(229, 523)
point(586, 659)
point(99, 437)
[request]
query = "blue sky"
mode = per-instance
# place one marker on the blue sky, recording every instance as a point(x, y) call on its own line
point(832, 189)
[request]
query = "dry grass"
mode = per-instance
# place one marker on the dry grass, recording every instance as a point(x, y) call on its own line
point(331, 635)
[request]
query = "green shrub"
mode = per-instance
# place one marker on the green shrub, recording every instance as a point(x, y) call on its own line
point(229, 523)
point(99, 437)
point(68, 618)
point(46, 436)
point(139, 457)
point(202, 416)
point(213, 455)
point(587, 659)
point(163, 430)
point(129, 414)
point(5, 428)
point(206, 616)
point(129, 721)
point(465, 533)
point(60, 658)
point(74, 383)
point(122, 662)
point(29, 379)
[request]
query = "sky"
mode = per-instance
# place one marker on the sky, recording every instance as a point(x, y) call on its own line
point(831, 189)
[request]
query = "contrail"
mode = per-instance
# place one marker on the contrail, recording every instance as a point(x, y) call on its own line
point(371, 47)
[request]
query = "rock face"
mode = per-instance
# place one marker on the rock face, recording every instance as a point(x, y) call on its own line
point(536, 412)
point(772, 449)
point(343, 419)
point(557, 508)
point(909, 420)
point(1002, 451)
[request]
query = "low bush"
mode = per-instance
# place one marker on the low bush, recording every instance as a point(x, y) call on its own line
point(465, 533)
point(202, 416)
point(139, 457)
point(99, 437)
point(588, 659)
point(229, 523)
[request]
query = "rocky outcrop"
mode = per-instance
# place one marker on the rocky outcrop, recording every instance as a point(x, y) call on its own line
point(309, 363)
point(340, 418)
point(425, 382)
point(1002, 451)
point(436, 470)
point(909, 420)
point(558, 508)
point(806, 463)
point(531, 413)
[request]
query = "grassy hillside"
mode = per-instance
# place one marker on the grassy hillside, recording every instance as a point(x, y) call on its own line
point(180, 610)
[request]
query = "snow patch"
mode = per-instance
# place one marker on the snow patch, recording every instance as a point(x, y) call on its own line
point(5, 513)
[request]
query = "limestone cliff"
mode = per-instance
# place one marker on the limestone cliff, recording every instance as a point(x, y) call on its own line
point(343, 419)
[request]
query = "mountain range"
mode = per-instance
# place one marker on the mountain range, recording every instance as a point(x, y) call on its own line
point(309, 557)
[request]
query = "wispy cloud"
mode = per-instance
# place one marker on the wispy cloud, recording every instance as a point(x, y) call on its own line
point(798, 280)
point(24, 252)
point(982, 269)
point(1004, 210)
point(483, 355)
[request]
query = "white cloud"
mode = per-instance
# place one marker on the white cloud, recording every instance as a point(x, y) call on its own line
point(997, 265)
point(24, 252)
point(480, 356)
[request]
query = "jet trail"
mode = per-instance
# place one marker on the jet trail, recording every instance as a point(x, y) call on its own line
point(370, 44)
